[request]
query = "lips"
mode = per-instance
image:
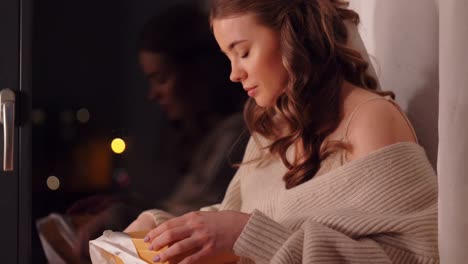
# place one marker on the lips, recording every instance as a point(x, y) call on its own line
point(247, 89)
point(251, 91)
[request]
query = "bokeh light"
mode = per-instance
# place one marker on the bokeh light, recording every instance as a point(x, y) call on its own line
point(53, 183)
point(83, 115)
point(118, 145)
point(38, 116)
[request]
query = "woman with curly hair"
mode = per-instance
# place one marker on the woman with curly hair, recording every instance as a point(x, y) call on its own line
point(333, 172)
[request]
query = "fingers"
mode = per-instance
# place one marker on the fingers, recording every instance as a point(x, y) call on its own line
point(85, 248)
point(189, 233)
point(79, 244)
point(169, 224)
point(170, 236)
point(134, 226)
point(144, 222)
point(76, 208)
point(91, 205)
point(77, 248)
point(184, 247)
point(195, 258)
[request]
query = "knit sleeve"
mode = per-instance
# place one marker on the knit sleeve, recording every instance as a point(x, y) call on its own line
point(159, 216)
point(266, 241)
point(380, 209)
point(211, 208)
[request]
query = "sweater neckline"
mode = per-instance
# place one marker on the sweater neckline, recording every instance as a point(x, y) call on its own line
point(370, 156)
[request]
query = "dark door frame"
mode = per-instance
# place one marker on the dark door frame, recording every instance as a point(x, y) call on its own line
point(24, 131)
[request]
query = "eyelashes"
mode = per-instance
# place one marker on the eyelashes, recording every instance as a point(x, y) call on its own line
point(245, 55)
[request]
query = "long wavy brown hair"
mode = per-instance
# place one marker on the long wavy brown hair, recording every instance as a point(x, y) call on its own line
point(316, 54)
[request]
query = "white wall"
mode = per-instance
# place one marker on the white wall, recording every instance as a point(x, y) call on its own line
point(420, 47)
point(402, 38)
point(453, 139)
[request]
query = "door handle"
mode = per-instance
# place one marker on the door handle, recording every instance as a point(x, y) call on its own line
point(7, 118)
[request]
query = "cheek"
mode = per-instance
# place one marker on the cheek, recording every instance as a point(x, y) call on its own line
point(279, 78)
point(261, 70)
point(280, 69)
point(168, 88)
point(277, 71)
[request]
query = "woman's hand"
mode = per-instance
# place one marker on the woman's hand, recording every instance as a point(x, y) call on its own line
point(144, 222)
point(92, 204)
point(197, 235)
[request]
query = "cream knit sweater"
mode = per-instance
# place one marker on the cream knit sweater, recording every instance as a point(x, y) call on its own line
point(378, 209)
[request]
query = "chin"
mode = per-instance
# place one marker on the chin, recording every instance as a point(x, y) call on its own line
point(263, 103)
point(260, 103)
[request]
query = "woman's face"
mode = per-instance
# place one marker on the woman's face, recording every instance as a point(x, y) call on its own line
point(255, 54)
point(162, 83)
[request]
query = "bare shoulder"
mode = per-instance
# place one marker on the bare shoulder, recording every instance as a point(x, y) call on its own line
point(376, 124)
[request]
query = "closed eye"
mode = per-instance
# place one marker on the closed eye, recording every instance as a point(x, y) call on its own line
point(245, 55)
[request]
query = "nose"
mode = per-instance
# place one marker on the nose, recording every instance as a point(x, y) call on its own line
point(237, 73)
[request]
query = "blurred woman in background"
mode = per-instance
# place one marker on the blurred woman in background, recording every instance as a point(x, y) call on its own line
point(188, 79)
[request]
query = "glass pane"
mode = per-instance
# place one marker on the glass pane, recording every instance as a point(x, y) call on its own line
point(99, 127)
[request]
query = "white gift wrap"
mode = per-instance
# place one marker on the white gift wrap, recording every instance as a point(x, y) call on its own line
point(65, 231)
point(117, 243)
